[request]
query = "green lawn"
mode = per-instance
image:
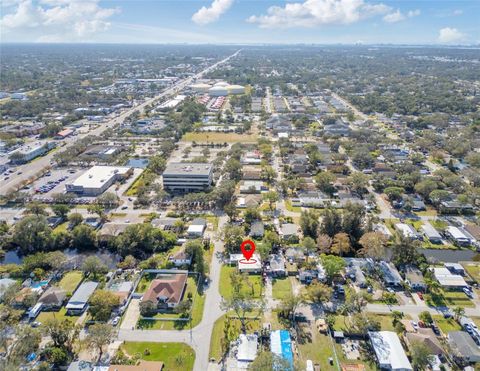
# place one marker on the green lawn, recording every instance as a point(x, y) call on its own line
point(196, 312)
point(446, 324)
point(342, 323)
point(61, 315)
point(281, 288)
point(175, 356)
point(439, 224)
point(473, 269)
point(289, 207)
point(61, 228)
point(218, 333)
point(255, 283)
point(219, 137)
point(70, 281)
point(415, 223)
point(448, 298)
point(145, 282)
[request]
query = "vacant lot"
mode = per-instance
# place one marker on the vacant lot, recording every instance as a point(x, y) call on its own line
point(281, 288)
point(175, 356)
point(219, 138)
point(446, 324)
point(448, 298)
point(473, 269)
point(254, 283)
point(70, 281)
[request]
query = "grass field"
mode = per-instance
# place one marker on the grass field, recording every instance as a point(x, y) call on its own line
point(175, 356)
point(61, 315)
point(281, 288)
point(226, 285)
point(219, 137)
point(473, 269)
point(342, 323)
point(218, 333)
point(289, 207)
point(196, 312)
point(70, 281)
point(446, 324)
point(448, 298)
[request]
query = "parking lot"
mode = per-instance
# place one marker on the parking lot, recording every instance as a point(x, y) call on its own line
point(54, 182)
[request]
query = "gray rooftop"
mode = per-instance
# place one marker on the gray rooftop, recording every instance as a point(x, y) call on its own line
point(187, 168)
point(83, 293)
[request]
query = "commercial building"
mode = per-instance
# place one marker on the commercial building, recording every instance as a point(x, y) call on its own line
point(30, 151)
point(98, 179)
point(389, 351)
point(187, 177)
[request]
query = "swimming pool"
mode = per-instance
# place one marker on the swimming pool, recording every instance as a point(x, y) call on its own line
point(39, 284)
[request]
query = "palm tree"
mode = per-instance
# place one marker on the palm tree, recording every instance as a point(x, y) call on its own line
point(458, 312)
point(396, 316)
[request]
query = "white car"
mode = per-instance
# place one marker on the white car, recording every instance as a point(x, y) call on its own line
point(116, 320)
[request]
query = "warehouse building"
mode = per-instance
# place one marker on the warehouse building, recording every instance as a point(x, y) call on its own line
point(98, 179)
point(181, 177)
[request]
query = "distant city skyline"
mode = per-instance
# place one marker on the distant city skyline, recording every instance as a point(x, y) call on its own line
point(241, 21)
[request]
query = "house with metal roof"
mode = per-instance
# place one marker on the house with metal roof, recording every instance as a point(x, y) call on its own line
point(389, 351)
point(431, 233)
point(79, 300)
point(391, 277)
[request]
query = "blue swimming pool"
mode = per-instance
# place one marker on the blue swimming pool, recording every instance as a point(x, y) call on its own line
point(39, 284)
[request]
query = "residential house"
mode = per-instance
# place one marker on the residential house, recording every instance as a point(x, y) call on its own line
point(455, 268)
point(457, 236)
point(180, 258)
point(247, 348)
point(289, 231)
point(252, 173)
point(448, 280)
point(277, 266)
point(455, 207)
point(166, 291)
point(427, 337)
point(307, 276)
point(249, 201)
point(53, 298)
point(79, 301)
point(251, 266)
point(407, 231)
point(431, 233)
point(252, 186)
point(196, 228)
point(463, 346)
point(257, 229)
point(391, 277)
point(389, 351)
point(414, 278)
point(295, 254)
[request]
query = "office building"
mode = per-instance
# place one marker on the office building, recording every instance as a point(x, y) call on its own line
point(187, 177)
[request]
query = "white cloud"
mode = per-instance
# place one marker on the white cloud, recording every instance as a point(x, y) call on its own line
point(208, 15)
point(413, 13)
point(313, 13)
point(59, 20)
point(398, 16)
point(394, 17)
point(450, 35)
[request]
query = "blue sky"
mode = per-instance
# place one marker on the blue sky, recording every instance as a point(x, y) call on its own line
point(241, 21)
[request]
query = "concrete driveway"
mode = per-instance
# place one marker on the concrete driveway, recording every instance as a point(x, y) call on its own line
point(131, 315)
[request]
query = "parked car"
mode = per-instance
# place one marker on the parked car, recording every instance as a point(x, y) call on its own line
point(115, 321)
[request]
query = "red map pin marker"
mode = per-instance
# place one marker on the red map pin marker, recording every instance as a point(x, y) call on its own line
point(247, 253)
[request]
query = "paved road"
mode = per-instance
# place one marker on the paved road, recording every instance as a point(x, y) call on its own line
point(33, 168)
point(199, 337)
point(415, 310)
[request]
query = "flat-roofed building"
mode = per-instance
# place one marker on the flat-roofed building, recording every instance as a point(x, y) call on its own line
point(98, 179)
point(448, 280)
point(431, 233)
point(30, 151)
point(187, 177)
point(389, 351)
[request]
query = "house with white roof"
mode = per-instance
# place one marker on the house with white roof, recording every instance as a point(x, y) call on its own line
point(448, 280)
point(389, 351)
